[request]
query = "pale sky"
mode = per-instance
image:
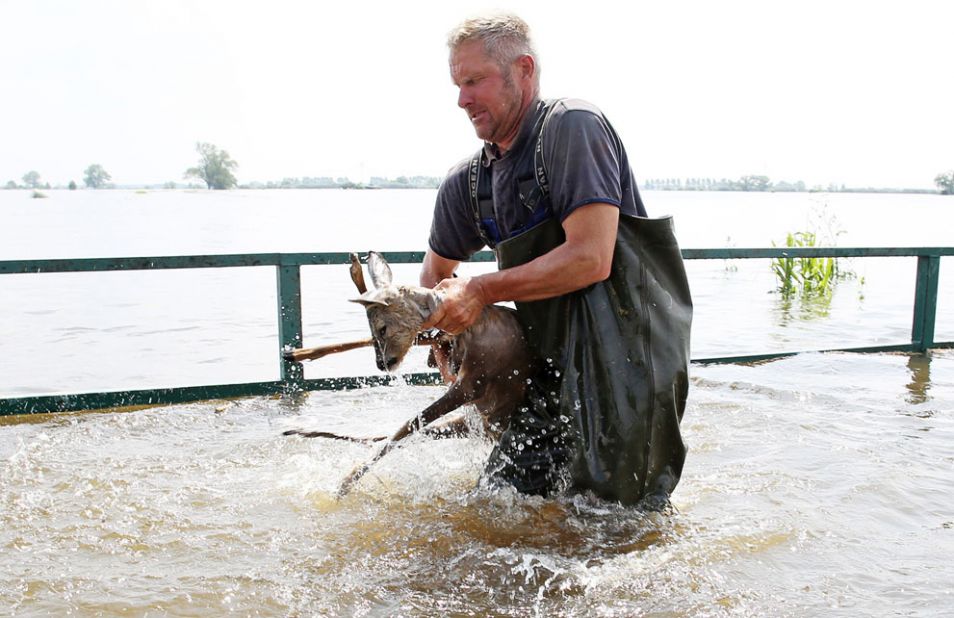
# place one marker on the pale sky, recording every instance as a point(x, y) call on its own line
point(853, 92)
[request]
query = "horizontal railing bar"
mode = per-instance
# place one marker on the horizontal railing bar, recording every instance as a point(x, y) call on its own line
point(838, 252)
point(412, 257)
point(43, 404)
point(754, 358)
point(350, 383)
point(165, 396)
point(138, 263)
point(169, 396)
point(123, 399)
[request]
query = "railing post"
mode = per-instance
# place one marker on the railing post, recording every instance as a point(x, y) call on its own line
point(289, 325)
point(925, 302)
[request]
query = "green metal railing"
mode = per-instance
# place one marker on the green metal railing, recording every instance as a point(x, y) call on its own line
point(288, 278)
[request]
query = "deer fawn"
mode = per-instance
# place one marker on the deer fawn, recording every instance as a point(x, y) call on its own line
point(490, 361)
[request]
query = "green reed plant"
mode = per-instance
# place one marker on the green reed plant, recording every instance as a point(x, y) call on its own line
point(810, 276)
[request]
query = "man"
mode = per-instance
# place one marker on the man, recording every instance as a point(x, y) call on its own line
point(600, 290)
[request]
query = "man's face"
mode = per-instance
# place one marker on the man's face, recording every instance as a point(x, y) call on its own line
point(491, 96)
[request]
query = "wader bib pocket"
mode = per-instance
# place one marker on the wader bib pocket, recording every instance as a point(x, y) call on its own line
point(603, 413)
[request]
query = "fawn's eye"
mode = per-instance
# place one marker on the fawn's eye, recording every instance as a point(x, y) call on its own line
point(382, 331)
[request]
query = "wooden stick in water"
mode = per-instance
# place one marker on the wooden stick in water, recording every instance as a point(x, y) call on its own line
point(303, 354)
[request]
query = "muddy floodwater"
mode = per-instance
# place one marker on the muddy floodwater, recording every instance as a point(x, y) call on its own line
point(816, 485)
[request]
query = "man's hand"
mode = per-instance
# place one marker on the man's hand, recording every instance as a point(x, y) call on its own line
point(462, 301)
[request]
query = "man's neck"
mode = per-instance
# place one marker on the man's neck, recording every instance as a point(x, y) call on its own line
point(525, 107)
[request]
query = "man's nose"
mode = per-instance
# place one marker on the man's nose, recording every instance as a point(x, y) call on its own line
point(464, 98)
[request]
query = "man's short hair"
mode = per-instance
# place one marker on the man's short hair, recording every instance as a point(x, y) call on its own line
point(506, 37)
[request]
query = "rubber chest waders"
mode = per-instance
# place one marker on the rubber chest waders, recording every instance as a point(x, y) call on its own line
point(603, 412)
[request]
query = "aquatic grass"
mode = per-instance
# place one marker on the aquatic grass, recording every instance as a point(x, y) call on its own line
point(806, 284)
point(810, 276)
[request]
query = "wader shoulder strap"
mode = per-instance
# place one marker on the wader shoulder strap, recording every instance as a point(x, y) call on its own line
point(539, 164)
point(533, 187)
point(482, 201)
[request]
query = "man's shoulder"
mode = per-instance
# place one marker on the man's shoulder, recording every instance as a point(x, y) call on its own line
point(574, 117)
point(457, 175)
point(572, 120)
point(568, 105)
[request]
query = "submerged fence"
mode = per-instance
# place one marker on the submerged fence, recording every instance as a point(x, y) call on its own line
point(289, 317)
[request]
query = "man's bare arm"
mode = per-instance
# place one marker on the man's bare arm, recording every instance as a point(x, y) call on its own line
point(583, 259)
point(435, 269)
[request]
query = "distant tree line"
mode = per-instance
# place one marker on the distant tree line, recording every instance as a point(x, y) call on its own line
point(95, 177)
point(341, 182)
point(745, 183)
point(764, 183)
point(401, 182)
point(216, 167)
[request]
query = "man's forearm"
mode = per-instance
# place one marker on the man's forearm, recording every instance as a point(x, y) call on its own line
point(559, 272)
point(585, 258)
point(435, 269)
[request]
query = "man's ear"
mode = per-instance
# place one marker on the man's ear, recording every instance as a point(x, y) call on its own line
point(526, 66)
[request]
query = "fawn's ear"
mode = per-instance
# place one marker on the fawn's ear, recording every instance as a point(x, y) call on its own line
point(379, 269)
point(357, 274)
point(370, 299)
point(426, 301)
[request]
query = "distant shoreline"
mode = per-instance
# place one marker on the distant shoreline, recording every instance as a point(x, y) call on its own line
point(360, 187)
point(812, 190)
point(744, 184)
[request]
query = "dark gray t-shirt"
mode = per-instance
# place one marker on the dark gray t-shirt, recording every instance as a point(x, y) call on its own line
point(585, 162)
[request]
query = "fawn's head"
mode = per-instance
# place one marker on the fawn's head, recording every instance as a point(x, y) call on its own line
point(395, 312)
